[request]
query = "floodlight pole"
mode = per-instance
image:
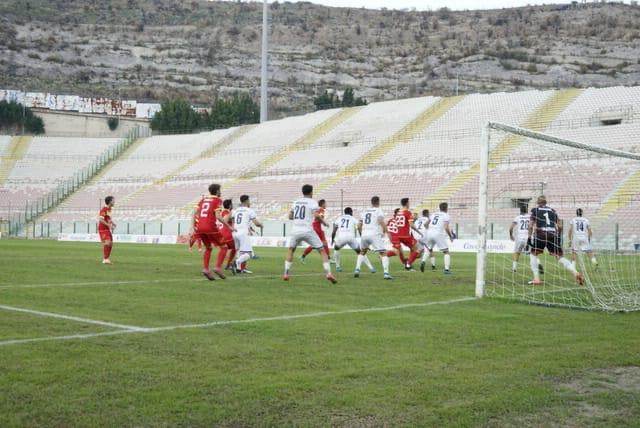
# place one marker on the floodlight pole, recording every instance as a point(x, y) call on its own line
point(264, 116)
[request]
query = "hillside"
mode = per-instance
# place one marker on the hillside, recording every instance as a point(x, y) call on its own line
point(153, 49)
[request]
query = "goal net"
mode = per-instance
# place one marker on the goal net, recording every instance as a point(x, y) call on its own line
point(580, 249)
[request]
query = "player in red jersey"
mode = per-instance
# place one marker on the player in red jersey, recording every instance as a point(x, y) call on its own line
point(317, 224)
point(392, 230)
point(105, 227)
point(205, 218)
point(228, 244)
point(194, 238)
point(404, 223)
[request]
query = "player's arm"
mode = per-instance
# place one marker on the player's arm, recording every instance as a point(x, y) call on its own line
point(320, 217)
point(333, 233)
point(446, 229)
point(413, 227)
point(224, 219)
point(382, 224)
point(571, 234)
point(103, 221)
point(513, 225)
point(257, 223)
point(359, 227)
point(589, 232)
point(290, 214)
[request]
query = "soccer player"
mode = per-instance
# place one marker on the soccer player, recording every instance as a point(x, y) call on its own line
point(580, 238)
point(422, 225)
point(226, 234)
point(544, 232)
point(521, 238)
point(392, 231)
point(243, 218)
point(344, 233)
point(404, 224)
point(437, 235)
point(318, 222)
point(105, 227)
point(194, 239)
point(303, 212)
point(372, 229)
point(205, 217)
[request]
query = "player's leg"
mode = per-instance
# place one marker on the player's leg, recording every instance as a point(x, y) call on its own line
point(206, 256)
point(314, 240)
point(384, 259)
point(288, 262)
point(336, 256)
point(245, 248)
point(233, 250)
point(364, 247)
point(305, 253)
point(555, 249)
point(107, 245)
point(222, 253)
point(413, 255)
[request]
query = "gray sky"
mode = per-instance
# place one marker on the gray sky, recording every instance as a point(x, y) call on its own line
point(432, 4)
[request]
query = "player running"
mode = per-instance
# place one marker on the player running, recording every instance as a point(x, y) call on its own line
point(303, 212)
point(318, 222)
point(372, 229)
point(437, 234)
point(544, 232)
point(392, 231)
point(344, 233)
point(243, 218)
point(226, 234)
point(105, 229)
point(422, 225)
point(520, 225)
point(580, 238)
point(403, 222)
point(204, 223)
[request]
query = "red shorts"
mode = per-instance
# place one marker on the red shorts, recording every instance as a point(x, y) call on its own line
point(210, 238)
point(105, 235)
point(408, 241)
point(226, 236)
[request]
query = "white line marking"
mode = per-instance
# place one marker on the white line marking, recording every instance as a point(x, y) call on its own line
point(71, 318)
point(231, 322)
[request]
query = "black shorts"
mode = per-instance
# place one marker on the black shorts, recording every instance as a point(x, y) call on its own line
point(549, 240)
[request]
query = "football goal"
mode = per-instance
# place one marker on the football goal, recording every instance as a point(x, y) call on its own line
point(569, 204)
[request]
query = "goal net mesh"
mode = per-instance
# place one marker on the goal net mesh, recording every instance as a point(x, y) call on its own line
point(593, 169)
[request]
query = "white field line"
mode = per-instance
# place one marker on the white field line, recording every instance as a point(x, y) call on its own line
point(71, 318)
point(232, 322)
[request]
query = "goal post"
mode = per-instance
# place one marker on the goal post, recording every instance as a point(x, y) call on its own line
point(511, 155)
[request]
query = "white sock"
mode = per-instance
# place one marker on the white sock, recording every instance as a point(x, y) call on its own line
point(385, 263)
point(433, 261)
point(336, 257)
point(514, 265)
point(327, 267)
point(534, 266)
point(287, 266)
point(243, 258)
point(594, 261)
point(368, 262)
point(359, 262)
point(568, 265)
point(447, 261)
point(573, 263)
point(424, 257)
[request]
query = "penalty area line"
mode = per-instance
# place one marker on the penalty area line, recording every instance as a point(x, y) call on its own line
point(141, 330)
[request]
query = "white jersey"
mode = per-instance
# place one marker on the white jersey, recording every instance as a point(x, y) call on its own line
point(580, 226)
point(346, 227)
point(303, 214)
point(421, 223)
point(522, 227)
point(242, 218)
point(438, 221)
point(370, 219)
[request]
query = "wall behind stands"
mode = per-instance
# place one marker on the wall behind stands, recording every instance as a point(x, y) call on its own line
point(71, 124)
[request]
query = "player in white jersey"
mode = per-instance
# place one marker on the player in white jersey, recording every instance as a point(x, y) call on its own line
point(372, 228)
point(437, 234)
point(580, 237)
point(519, 233)
point(344, 233)
point(243, 218)
point(422, 225)
point(303, 212)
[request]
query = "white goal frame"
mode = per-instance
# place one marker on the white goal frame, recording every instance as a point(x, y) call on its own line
point(485, 142)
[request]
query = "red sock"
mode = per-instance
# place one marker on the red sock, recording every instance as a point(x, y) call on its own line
point(325, 248)
point(106, 250)
point(391, 253)
point(232, 255)
point(243, 265)
point(403, 259)
point(206, 257)
point(221, 255)
point(412, 257)
point(307, 250)
point(192, 240)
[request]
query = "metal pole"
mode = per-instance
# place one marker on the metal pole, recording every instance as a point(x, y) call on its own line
point(264, 115)
point(341, 200)
point(482, 212)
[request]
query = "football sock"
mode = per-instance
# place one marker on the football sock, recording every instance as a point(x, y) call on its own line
point(105, 251)
point(307, 250)
point(359, 262)
point(412, 257)
point(232, 255)
point(447, 261)
point(206, 258)
point(336, 256)
point(368, 262)
point(327, 267)
point(534, 266)
point(221, 255)
point(425, 256)
point(385, 263)
point(244, 265)
point(287, 266)
point(241, 259)
point(325, 249)
point(391, 253)
point(594, 261)
point(403, 259)
point(567, 264)
point(514, 265)
point(433, 261)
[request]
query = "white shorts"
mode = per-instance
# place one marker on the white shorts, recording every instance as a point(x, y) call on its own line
point(373, 242)
point(434, 238)
point(520, 246)
point(308, 236)
point(351, 241)
point(581, 244)
point(243, 242)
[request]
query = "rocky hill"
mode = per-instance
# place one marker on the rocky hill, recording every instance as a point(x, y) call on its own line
point(154, 49)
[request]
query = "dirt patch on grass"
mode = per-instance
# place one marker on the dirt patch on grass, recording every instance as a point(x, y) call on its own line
point(626, 379)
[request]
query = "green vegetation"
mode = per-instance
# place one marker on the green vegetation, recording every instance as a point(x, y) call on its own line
point(464, 363)
point(331, 100)
point(14, 115)
point(238, 110)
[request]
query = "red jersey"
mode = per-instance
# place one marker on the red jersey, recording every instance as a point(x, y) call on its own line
point(403, 222)
point(392, 228)
point(105, 214)
point(205, 215)
point(317, 224)
point(225, 230)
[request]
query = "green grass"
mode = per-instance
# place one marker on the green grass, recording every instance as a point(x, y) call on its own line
point(479, 362)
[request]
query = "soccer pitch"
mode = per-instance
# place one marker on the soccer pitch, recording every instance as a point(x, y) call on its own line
point(149, 342)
